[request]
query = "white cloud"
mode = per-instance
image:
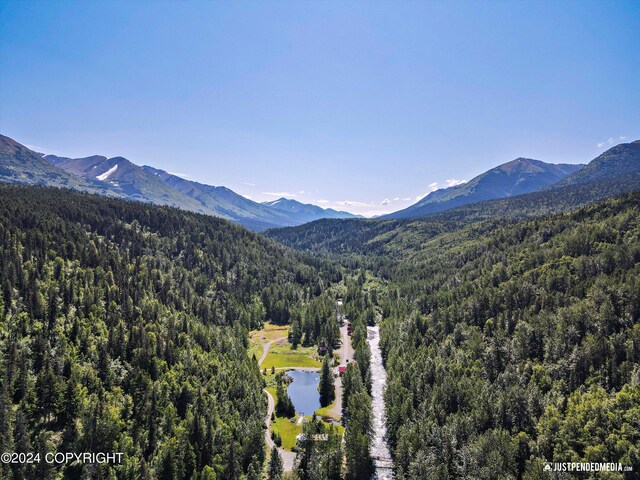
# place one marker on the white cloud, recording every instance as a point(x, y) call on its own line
point(354, 203)
point(611, 141)
point(386, 201)
point(249, 184)
point(322, 201)
point(452, 182)
point(248, 196)
point(432, 188)
point(406, 199)
point(279, 194)
point(301, 192)
point(396, 199)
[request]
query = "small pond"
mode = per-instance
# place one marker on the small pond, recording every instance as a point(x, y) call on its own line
point(304, 391)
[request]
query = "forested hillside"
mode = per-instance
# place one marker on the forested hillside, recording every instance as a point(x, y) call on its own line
point(512, 344)
point(123, 328)
point(510, 339)
point(359, 240)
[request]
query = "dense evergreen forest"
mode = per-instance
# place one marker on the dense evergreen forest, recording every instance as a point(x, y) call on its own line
point(124, 329)
point(510, 345)
point(509, 341)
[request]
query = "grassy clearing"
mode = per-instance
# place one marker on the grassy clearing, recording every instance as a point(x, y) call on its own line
point(288, 431)
point(255, 350)
point(269, 332)
point(289, 360)
point(270, 385)
point(281, 355)
point(258, 338)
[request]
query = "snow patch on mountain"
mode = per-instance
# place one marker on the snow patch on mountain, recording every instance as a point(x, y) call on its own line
point(106, 174)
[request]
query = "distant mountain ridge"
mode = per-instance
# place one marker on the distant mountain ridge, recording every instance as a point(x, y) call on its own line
point(306, 212)
point(224, 201)
point(519, 176)
point(619, 160)
point(22, 166)
point(153, 185)
point(126, 179)
point(120, 178)
point(614, 173)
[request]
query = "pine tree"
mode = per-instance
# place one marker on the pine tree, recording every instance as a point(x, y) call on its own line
point(351, 383)
point(326, 385)
point(276, 468)
point(295, 331)
point(284, 406)
point(357, 436)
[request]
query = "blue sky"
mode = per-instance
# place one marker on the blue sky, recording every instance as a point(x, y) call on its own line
point(362, 106)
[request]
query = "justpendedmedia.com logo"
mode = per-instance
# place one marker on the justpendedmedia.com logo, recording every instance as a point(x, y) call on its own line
point(587, 467)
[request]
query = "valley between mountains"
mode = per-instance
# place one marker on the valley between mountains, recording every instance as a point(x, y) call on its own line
point(490, 329)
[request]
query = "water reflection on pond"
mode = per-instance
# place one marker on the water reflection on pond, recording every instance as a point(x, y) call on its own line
point(304, 391)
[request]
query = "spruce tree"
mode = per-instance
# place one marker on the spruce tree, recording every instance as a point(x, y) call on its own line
point(284, 406)
point(276, 468)
point(326, 386)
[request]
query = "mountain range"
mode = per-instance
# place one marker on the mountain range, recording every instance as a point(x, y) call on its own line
point(519, 176)
point(120, 178)
point(305, 212)
point(525, 175)
point(615, 173)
